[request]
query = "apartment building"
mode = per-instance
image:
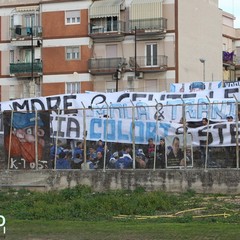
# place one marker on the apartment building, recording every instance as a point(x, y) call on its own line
point(231, 48)
point(53, 47)
point(45, 48)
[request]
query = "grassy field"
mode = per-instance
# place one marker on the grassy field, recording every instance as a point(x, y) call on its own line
point(80, 213)
point(111, 230)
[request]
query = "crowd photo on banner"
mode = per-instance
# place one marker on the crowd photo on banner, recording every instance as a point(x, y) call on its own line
point(194, 125)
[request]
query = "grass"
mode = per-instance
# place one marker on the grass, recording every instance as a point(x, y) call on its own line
point(111, 230)
point(80, 213)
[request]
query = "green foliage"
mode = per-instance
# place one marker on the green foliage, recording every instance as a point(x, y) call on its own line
point(82, 203)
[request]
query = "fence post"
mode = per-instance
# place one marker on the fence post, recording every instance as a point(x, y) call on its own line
point(105, 140)
point(84, 135)
point(36, 139)
point(133, 135)
point(10, 141)
point(237, 141)
point(56, 141)
point(184, 133)
point(209, 112)
point(156, 135)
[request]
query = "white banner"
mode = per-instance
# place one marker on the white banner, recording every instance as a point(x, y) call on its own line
point(121, 130)
point(165, 106)
point(195, 86)
point(67, 113)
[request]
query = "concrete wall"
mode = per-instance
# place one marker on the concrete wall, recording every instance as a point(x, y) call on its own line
point(210, 181)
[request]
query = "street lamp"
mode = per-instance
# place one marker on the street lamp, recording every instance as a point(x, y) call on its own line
point(117, 77)
point(202, 60)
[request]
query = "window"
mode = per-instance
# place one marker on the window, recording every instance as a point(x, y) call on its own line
point(29, 20)
point(111, 86)
point(72, 53)
point(11, 56)
point(72, 17)
point(237, 52)
point(112, 24)
point(73, 87)
point(11, 92)
point(28, 56)
point(151, 54)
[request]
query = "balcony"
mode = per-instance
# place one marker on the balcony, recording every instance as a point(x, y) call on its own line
point(237, 62)
point(107, 31)
point(149, 28)
point(21, 33)
point(149, 64)
point(26, 69)
point(105, 65)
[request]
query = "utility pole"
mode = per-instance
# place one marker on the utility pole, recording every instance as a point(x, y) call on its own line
point(32, 53)
point(135, 52)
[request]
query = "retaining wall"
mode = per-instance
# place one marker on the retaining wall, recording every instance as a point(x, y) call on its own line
point(210, 181)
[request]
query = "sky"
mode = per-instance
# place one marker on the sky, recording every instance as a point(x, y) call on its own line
point(231, 6)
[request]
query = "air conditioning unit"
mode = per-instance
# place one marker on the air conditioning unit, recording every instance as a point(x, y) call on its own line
point(140, 75)
point(122, 6)
point(97, 29)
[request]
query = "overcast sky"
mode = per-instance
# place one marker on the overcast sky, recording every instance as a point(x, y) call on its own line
point(231, 6)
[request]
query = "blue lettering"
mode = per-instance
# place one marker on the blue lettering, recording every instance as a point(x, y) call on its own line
point(202, 107)
point(142, 110)
point(116, 107)
point(189, 108)
point(139, 132)
point(126, 110)
point(174, 104)
point(232, 110)
point(165, 127)
point(218, 109)
point(121, 136)
point(95, 123)
point(99, 111)
point(109, 135)
point(150, 130)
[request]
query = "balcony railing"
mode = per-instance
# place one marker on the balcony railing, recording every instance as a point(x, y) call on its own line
point(147, 64)
point(26, 69)
point(158, 24)
point(25, 32)
point(105, 27)
point(105, 65)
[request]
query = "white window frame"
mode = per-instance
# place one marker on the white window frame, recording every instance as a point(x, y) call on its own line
point(11, 56)
point(110, 86)
point(12, 92)
point(72, 17)
point(72, 53)
point(73, 87)
point(112, 24)
point(152, 54)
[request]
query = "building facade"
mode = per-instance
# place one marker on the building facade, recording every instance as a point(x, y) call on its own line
point(231, 48)
point(51, 47)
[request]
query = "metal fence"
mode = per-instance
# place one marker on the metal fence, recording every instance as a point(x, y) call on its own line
point(117, 137)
